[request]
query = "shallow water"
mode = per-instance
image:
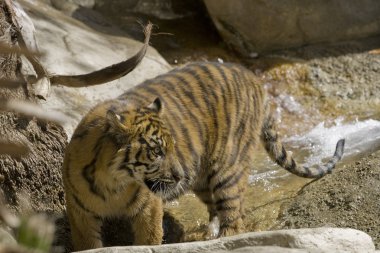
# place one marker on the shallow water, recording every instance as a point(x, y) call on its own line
point(270, 185)
point(362, 138)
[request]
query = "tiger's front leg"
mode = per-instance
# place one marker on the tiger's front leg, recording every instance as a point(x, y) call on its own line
point(147, 222)
point(85, 230)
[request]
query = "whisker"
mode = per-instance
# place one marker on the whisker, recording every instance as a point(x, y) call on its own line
point(154, 187)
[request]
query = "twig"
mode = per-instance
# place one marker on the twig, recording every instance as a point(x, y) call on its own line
point(107, 74)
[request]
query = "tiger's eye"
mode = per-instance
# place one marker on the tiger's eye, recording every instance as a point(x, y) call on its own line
point(157, 150)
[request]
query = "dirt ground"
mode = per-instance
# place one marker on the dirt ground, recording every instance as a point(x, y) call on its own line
point(349, 197)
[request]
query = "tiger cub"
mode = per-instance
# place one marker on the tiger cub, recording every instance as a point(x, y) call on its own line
point(192, 129)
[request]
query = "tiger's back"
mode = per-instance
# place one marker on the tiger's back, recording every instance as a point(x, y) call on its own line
point(194, 128)
point(214, 112)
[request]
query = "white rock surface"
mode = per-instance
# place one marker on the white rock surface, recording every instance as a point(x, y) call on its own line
point(298, 240)
point(71, 47)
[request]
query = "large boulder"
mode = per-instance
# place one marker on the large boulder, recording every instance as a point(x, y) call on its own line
point(78, 49)
point(254, 26)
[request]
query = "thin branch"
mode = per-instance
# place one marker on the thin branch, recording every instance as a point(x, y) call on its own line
point(107, 74)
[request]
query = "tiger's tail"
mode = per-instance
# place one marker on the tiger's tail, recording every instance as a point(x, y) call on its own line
point(277, 152)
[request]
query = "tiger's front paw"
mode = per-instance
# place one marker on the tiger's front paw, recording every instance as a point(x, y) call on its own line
point(228, 232)
point(148, 238)
point(231, 229)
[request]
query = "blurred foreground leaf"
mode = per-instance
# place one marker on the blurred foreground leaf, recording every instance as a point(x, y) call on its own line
point(13, 149)
point(34, 110)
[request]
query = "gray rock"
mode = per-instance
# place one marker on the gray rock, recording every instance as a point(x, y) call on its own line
point(71, 47)
point(252, 26)
point(298, 240)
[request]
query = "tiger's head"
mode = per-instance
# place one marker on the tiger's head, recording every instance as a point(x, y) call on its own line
point(145, 149)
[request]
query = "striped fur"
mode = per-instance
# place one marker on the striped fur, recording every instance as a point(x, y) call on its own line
point(194, 128)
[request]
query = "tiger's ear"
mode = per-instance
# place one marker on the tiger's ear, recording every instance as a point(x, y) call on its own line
point(157, 106)
point(115, 120)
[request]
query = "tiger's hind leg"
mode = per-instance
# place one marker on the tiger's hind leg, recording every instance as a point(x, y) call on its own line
point(205, 195)
point(228, 188)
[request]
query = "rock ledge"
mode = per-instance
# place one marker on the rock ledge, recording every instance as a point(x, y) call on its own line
point(322, 239)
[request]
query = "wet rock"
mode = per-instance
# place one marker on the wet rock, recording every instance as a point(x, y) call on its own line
point(300, 240)
point(257, 26)
point(77, 49)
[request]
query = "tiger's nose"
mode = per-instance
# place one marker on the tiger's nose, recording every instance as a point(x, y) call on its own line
point(176, 176)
